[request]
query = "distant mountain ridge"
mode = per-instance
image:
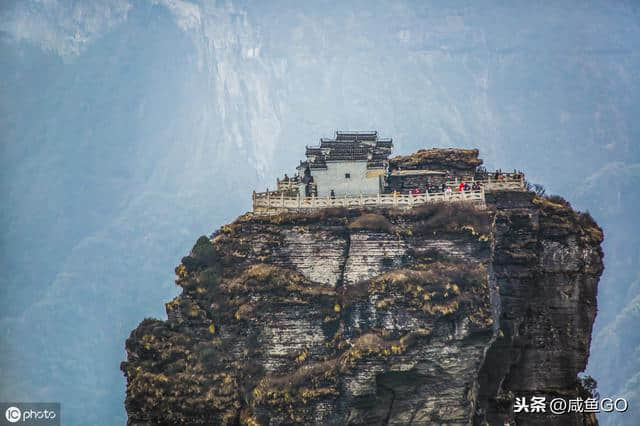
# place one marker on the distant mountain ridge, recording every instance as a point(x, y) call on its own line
point(153, 121)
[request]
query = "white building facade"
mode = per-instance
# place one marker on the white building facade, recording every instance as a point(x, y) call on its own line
point(347, 178)
point(351, 164)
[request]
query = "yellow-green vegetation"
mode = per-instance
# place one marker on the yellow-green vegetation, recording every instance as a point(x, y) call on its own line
point(263, 277)
point(249, 421)
point(444, 276)
point(226, 229)
point(335, 215)
point(446, 308)
point(384, 303)
point(453, 287)
point(193, 311)
point(432, 218)
point(472, 231)
point(319, 379)
point(307, 394)
point(439, 289)
point(372, 222)
point(442, 158)
point(172, 306)
point(426, 290)
point(557, 216)
point(302, 356)
point(244, 311)
point(169, 371)
point(181, 271)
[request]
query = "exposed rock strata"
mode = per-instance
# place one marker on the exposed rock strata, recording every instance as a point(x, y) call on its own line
point(453, 159)
point(437, 315)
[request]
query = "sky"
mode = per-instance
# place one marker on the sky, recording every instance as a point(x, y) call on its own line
point(130, 128)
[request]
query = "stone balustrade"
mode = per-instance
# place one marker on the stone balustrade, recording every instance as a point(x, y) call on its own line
point(267, 202)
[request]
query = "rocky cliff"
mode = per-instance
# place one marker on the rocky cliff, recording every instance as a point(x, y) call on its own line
point(442, 314)
point(453, 159)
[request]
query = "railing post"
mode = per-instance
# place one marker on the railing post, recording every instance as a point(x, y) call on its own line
point(298, 200)
point(282, 199)
point(361, 199)
point(378, 200)
point(268, 198)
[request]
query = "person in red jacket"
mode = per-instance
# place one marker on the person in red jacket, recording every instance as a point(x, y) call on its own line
point(461, 187)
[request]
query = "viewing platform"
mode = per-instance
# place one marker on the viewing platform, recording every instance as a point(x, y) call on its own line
point(269, 203)
point(505, 182)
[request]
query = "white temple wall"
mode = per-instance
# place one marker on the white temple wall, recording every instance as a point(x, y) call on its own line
point(361, 180)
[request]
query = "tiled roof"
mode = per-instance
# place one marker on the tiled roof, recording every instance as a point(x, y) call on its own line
point(350, 146)
point(360, 136)
point(313, 151)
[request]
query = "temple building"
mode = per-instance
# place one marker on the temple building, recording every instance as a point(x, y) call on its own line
point(352, 163)
point(353, 170)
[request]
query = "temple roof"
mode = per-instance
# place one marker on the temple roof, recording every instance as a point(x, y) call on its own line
point(360, 136)
point(350, 146)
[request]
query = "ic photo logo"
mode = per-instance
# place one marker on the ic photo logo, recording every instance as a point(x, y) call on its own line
point(30, 413)
point(13, 414)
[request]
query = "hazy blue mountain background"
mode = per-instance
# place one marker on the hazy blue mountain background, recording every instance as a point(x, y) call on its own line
point(129, 128)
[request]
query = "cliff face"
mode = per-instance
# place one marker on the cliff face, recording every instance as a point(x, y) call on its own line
point(437, 315)
point(547, 261)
